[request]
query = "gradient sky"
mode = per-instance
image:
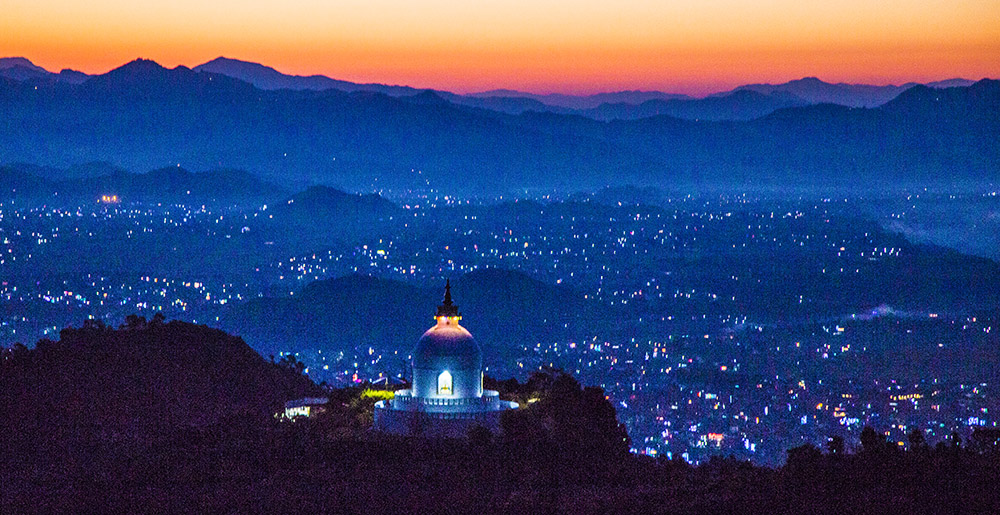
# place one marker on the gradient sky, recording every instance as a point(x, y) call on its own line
point(689, 46)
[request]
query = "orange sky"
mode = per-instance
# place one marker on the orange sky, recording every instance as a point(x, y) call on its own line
point(536, 45)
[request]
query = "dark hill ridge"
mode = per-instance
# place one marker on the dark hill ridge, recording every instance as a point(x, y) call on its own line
point(140, 380)
point(320, 213)
point(146, 80)
point(173, 184)
point(502, 309)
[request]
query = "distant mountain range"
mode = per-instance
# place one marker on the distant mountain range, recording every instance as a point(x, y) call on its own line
point(142, 116)
point(265, 77)
point(583, 101)
point(20, 68)
point(620, 105)
point(737, 105)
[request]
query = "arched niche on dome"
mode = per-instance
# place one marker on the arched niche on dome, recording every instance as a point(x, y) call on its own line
point(444, 384)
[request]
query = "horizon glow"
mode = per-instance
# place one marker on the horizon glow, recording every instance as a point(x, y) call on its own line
point(538, 46)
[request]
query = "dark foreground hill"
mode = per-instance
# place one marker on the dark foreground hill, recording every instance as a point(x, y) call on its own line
point(143, 380)
point(564, 452)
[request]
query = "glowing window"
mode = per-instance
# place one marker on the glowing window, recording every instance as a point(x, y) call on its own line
point(444, 383)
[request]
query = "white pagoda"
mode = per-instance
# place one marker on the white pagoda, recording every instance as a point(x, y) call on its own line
point(447, 398)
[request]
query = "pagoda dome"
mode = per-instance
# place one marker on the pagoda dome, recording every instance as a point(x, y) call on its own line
point(447, 345)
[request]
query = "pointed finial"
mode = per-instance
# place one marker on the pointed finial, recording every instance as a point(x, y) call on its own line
point(447, 292)
point(447, 307)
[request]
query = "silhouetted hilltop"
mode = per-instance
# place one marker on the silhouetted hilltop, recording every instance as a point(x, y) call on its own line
point(72, 76)
point(21, 69)
point(7, 63)
point(175, 184)
point(322, 211)
point(816, 91)
point(979, 101)
point(145, 81)
point(427, 97)
point(265, 77)
point(950, 83)
point(142, 379)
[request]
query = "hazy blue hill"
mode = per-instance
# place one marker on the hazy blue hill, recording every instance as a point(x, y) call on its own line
point(323, 203)
point(579, 102)
point(524, 307)
point(816, 91)
point(623, 195)
point(87, 183)
point(72, 76)
point(20, 62)
point(18, 183)
point(85, 170)
point(978, 101)
point(22, 70)
point(143, 72)
point(23, 73)
point(335, 315)
point(427, 98)
point(265, 77)
point(738, 105)
point(175, 184)
point(509, 105)
point(950, 83)
point(502, 309)
point(322, 216)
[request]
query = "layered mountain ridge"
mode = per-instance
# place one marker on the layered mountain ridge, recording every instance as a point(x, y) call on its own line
point(143, 116)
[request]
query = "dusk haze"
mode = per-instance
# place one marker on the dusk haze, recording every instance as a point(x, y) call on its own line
point(538, 46)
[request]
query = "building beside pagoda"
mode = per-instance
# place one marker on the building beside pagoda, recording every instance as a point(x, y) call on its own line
point(447, 397)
